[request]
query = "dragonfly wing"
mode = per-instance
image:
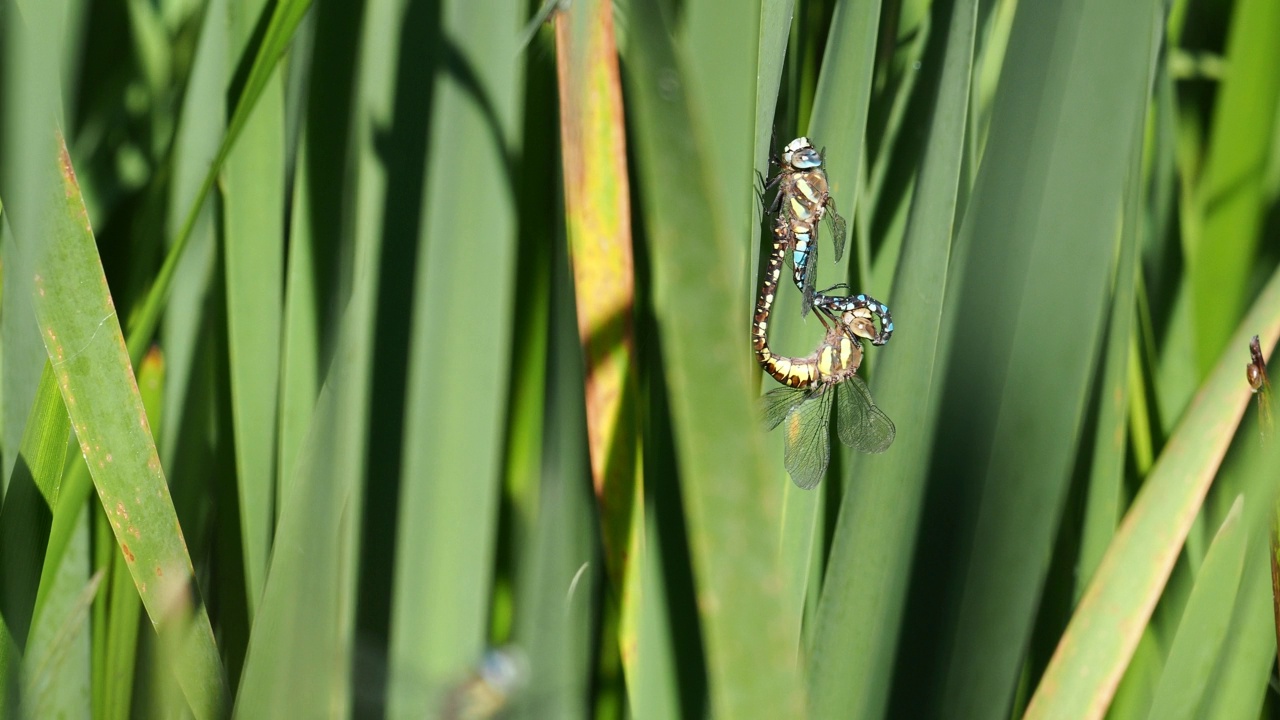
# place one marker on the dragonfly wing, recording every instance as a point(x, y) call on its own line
point(861, 424)
point(810, 275)
point(808, 442)
point(775, 404)
point(839, 230)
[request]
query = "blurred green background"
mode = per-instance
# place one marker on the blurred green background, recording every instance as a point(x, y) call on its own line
point(390, 358)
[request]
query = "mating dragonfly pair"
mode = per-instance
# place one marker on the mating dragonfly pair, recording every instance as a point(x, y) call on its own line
point(827, 377)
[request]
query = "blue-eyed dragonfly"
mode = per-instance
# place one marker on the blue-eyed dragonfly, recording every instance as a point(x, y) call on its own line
point(825, 378)
point(487, 690)
point(1256, 373)
point(803, 200)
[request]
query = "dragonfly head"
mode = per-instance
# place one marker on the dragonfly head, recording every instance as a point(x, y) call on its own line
point(800, 155)
point(859, 322)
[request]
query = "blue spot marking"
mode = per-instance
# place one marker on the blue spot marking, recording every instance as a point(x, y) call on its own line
point(798, 257)
point(890, 328)
point(862, 298)
point(884, 309)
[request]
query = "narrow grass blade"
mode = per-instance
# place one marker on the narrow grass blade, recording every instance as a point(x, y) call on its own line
point(147, 314)
point(1044, 212)
point(839, 120)
point(1097, 645)
point(298, 660)
point(864, 596)
point(284, 20)
point(1202, 631)
point(1232, 195)
point(318, 285)
point(1240, 681)
point(598, 219)
point(454, 431)
point(560, 569)
point(24, 358)
point(28, 506)
point(798, 530)
point(253, 204)
point(598, 215)
point(56, 672)
point(200, 130)
point(1105, 488)
point(85, 345)
point(125, 609)
point(301, 647)
point(718, 45)
point(696, 268)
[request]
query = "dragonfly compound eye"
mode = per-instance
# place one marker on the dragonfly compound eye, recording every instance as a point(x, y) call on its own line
point(795, 146)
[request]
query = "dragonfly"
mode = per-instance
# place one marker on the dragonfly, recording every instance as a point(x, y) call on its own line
point(834, 306)
point(492, 687)
point(803, 200)
point(815, 384)
point(1256, 373)
point(488, 689)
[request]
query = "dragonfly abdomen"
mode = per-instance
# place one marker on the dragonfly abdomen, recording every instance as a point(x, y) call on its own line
point(837, 357)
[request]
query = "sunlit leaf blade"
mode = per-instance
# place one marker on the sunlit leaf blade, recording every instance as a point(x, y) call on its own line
point(56, 681)
point(24, 359)
point(1107, 624)
point(279, 33)
point(699, 300)
point(1044, 212)
point(798, 529)
point(560, 564)
point(1233, 195)
point(867, 579)
point(598, 220)
point(454, 431)
point(147, 314)
point(318, 283)
point(1240, 678)
point(861, 424)
point(294, 663)
point(775, 26)
point(124, 611)
point(808, 439)
point(300, 654)
point(1106, 479)
point(1204, 624)
point(86, 347)
point(840, 107)
point(717, 44)
point(27, 512)
point(1237, 679)
point(253, 186)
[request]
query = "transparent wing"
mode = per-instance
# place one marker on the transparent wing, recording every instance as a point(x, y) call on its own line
point(808, 441)
point(838, 229)
point(775, 404)
point(810, 275)
point(861, 424)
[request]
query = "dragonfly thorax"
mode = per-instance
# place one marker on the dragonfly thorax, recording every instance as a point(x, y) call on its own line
point(839, 356)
